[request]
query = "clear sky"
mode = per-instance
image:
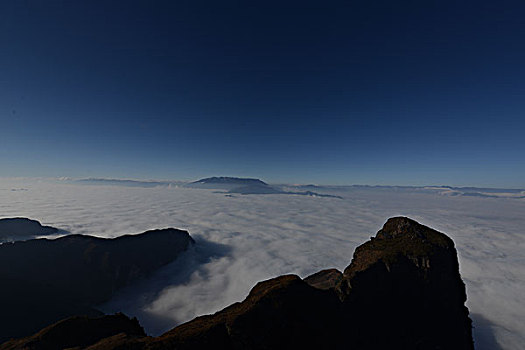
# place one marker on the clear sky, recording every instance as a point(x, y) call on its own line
point(368, 92)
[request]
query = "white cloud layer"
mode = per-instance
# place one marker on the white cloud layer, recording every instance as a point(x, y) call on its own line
point(245, 239)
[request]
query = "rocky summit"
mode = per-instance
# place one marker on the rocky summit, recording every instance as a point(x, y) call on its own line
point(402, 290)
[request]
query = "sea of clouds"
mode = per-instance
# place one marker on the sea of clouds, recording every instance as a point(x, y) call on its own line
point(243, 239)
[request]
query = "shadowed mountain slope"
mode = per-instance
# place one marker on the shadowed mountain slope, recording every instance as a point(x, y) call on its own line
point(78, 332)
point(47, 280)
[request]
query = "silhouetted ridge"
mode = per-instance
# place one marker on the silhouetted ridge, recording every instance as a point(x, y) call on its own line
point(402, 290)
point(46, 280)
point(78, 331)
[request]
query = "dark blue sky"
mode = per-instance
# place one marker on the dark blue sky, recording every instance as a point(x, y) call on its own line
point(370, 92)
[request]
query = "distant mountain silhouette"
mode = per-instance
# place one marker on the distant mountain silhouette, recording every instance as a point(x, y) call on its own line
point(126, 182)
point(12, 229)
point(46, 280)
point(248, 186)
point(402, 290)
point(235, 185)
point(230, 180)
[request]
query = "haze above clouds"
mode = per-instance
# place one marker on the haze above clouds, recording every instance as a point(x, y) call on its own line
point(243, 239)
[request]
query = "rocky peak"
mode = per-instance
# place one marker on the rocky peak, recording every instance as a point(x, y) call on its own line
point(325, 279)
point(403, 238)
point(408, 229)
point(409, 275)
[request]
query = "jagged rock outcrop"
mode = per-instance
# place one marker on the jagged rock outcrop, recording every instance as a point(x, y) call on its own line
point(79, 332)
point(45, 280)
point(325, 279)
point(402, 290)
point(12, 229)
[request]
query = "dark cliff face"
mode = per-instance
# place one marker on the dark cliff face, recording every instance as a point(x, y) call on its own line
point(47, 280)
point(405, 285)
point(402, 290)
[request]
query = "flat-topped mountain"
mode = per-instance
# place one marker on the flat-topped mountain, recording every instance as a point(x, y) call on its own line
point(236, 185)
point(402, 290)
point(12, 229)
point(230, 181)
point(248, 186)
point(46, 280)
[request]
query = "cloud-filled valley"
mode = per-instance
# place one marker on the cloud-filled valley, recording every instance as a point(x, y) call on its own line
point(243, 239)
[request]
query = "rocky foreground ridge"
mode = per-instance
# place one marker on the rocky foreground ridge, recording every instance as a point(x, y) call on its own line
point(78, 332)
point(46, 280)
point(402, 290)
